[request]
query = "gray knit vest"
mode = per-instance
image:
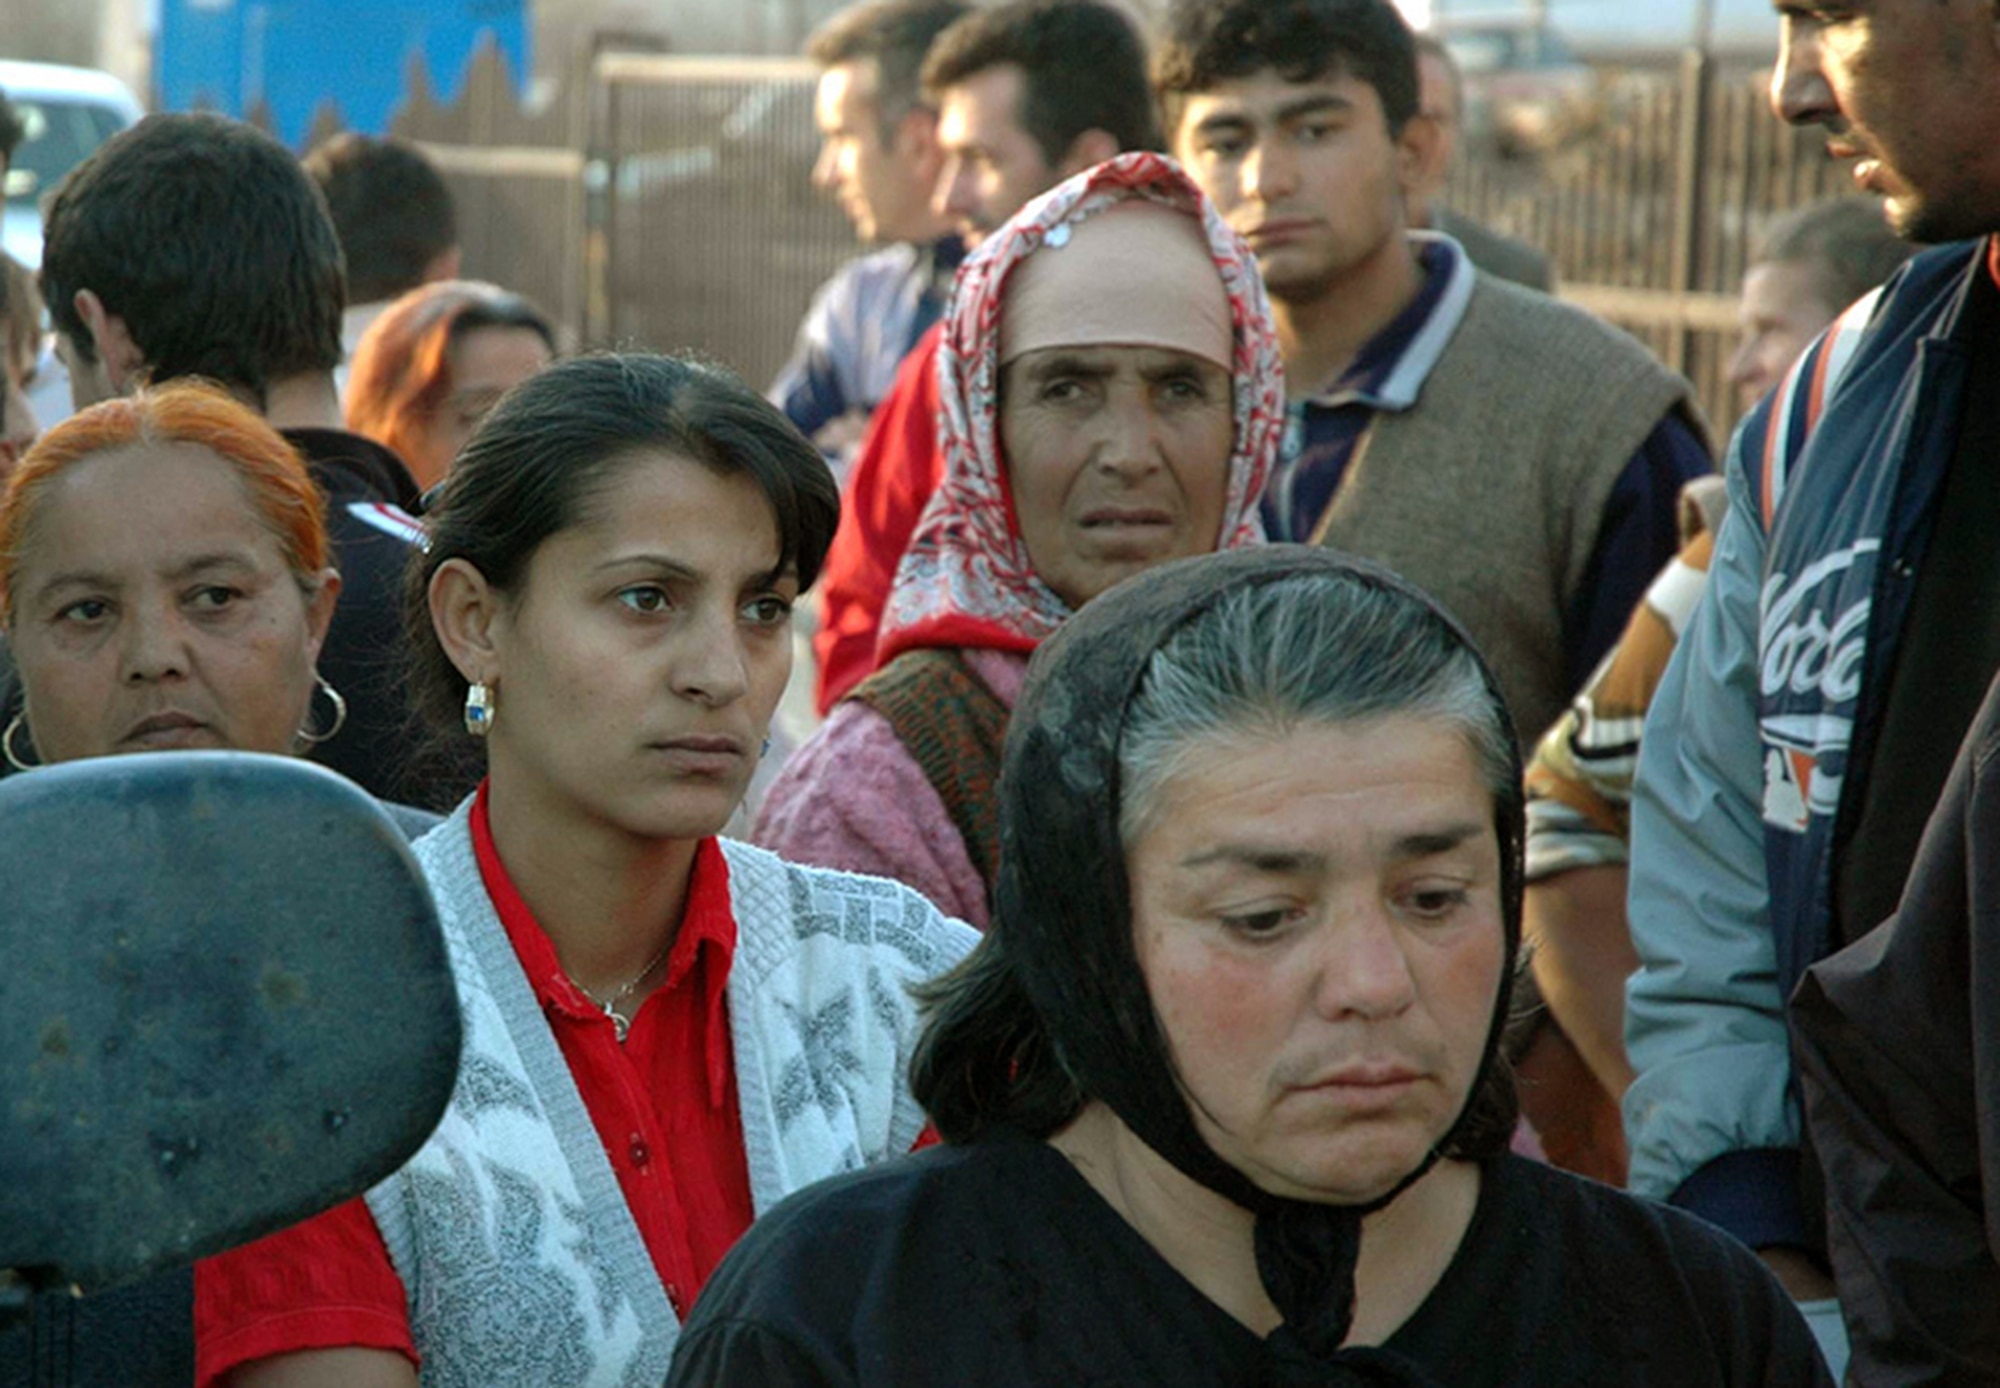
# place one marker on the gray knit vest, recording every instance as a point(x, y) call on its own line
point(1489, 492)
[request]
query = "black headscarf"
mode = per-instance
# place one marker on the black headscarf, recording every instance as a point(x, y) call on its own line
point(1063, 901)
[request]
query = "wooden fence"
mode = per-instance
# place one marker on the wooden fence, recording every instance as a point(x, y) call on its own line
point(1653, 216)
point(666, 202)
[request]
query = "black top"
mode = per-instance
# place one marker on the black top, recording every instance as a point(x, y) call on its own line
point(371, 501)
point(996, 1263)
point(1897, 1039)
point(1948, 654)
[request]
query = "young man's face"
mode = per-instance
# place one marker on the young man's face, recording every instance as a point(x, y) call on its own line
point(992, 165)
point(1306, 172)
point(883, 178)
point(1910, 89)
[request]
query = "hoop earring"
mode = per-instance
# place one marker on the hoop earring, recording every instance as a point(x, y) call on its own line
point(306, 734)
point(7, 743)
point(478, 710)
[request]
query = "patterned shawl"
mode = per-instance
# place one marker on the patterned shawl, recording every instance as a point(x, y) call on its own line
point(967, 579)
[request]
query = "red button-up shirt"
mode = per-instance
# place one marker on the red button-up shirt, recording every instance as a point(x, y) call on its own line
point(663, 1103)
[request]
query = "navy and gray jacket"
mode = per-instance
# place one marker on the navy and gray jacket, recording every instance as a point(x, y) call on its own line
point(1757, 746)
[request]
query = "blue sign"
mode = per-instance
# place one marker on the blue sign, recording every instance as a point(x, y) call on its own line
point(296, 56)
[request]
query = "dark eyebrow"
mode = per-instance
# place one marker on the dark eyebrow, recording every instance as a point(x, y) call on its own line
point(1276, 861)
point(771, 578)
point(1433, 842)
point(1231, 122)
point(1292, 863)
point(661, 562)
point(1313, 105)
point(1068, 364)
point(678, 571)
point(1180, 366)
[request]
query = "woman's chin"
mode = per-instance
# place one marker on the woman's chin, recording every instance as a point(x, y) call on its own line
point(686, 812)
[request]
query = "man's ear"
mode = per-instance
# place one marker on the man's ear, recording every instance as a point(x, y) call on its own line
point(470, 620)
point(1089, 149)
point(1419, 154)
point(124, 363)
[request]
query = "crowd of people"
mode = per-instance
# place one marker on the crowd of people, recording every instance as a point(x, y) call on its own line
point(1313, 762)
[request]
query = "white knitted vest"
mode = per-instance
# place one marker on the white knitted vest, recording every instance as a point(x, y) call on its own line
point(520, 1259)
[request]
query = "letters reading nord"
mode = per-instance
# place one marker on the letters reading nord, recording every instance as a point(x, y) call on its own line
point(1803, 653)
point(1805, 657)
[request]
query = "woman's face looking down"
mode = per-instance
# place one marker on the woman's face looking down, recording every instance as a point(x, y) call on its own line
point(1317, 914)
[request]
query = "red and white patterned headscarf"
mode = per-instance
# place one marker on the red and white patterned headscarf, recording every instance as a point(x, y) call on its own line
point(967, 579)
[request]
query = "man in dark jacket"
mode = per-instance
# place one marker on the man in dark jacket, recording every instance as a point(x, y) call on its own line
point(1851, 625)
point(1898, 1042)
point(194, 245)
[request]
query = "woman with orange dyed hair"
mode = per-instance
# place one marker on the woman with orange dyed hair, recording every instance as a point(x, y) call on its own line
point(165, 583)
point(427, 371)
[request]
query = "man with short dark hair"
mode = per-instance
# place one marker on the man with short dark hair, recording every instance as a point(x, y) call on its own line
point(1441, 98)
point(1510, 454)
point(1028, 93)
point(194, 245)
point(394, 216)
point(1801, 737)
point(879, 155)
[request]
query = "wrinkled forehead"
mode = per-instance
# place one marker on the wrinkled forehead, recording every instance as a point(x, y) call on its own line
point(1135, 274)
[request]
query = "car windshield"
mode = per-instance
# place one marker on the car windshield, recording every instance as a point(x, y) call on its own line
point(59, 134)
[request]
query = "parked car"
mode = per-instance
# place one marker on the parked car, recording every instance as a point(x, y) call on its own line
point(68, 112)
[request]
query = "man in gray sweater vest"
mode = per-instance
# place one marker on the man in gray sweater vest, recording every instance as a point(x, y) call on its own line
point(1512, 455)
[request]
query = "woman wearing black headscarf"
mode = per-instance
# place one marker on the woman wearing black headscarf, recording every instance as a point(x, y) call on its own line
point(1221, 1089)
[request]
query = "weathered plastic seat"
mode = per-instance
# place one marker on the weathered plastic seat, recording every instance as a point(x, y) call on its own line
point(224, 1006)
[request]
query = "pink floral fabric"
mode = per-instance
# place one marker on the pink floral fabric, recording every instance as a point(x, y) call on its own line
point(966, 579)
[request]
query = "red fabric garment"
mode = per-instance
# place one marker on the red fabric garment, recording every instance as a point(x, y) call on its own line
point(894, 474)
point(967, 579)
point(664, 1104)
point(318, 1285)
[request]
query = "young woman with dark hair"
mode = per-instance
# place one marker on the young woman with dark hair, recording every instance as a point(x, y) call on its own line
point(665, 1034)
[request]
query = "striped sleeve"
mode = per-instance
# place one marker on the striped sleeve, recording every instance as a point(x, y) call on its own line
point(1580, 780)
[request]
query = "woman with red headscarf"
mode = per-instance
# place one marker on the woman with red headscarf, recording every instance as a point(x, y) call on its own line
point(1112, 399)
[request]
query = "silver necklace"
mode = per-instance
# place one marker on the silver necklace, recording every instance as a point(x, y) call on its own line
point(620, 1023)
